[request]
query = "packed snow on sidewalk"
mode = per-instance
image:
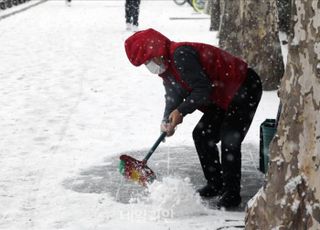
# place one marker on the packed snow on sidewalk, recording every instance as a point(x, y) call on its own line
point(70, 100)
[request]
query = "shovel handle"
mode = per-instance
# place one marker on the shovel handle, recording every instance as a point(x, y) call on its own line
point(154, 147)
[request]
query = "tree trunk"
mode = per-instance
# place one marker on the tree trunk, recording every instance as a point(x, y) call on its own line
point(262, 49)
point(249, 30)
point(215, 15)
point(230, 33)
point(290, 197)
point(284, 13)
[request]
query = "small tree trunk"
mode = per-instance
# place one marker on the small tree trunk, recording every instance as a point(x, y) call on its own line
point(284, 13)
point(215, 15)
point(290, 198)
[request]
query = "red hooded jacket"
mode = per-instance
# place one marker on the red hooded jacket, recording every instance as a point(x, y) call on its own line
point(225, 71)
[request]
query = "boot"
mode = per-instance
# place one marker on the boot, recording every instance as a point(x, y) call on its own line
point(210, 190)
point(229, 199)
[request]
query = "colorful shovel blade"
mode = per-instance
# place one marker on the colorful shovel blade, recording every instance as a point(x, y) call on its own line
point(136, 170)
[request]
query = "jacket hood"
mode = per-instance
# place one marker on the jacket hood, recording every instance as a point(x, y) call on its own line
point(145, 45)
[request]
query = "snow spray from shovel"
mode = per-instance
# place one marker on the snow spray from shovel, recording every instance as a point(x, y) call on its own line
point(136, 170)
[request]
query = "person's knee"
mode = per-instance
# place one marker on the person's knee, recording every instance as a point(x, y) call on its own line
point(198, 131)
point(201, 132)
point(231, 140)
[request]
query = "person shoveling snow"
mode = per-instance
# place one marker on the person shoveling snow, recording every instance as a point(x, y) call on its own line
point(199, 76)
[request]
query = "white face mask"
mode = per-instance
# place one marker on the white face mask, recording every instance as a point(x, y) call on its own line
point(155, 68)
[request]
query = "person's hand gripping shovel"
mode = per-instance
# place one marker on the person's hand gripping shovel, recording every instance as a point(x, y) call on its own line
point(138, 171)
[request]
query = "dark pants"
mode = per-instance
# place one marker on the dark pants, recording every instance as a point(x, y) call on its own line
point(132, 11)
point(230, 127)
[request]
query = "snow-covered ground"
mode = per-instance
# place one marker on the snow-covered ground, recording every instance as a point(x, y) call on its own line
point(69, 99)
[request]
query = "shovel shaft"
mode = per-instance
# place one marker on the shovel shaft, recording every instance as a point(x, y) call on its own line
point(154, 147)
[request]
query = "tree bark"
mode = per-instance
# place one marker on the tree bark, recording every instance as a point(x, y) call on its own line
point(215, 15)
point(290, 197)
point(249, 30)
point(284, 13)
point(230, 33)
point(261, 43)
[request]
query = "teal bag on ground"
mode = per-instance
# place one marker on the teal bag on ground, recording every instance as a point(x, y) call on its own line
point(268, 129)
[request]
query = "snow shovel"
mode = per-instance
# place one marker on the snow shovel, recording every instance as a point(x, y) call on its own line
point(136, 170)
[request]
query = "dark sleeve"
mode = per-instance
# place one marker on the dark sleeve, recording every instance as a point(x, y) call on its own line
point(173, 97)
point(188, 65)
